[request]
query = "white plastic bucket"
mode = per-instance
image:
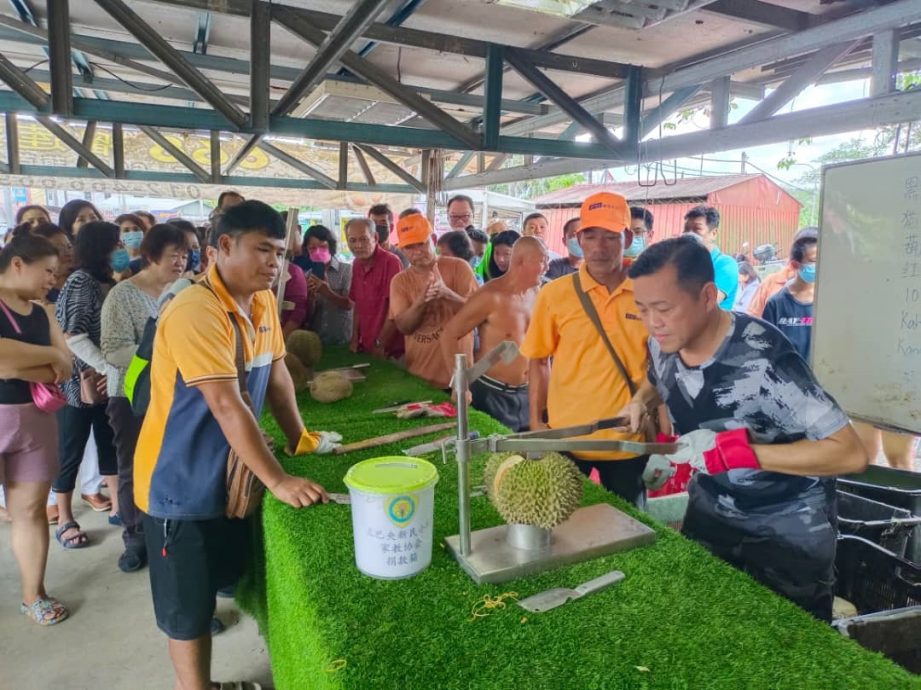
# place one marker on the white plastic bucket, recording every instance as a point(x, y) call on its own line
point(393, 505)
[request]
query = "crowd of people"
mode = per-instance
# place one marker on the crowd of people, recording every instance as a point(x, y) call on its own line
point(663, 333)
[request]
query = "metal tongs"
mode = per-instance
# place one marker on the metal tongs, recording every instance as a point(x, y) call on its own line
point(562, 439)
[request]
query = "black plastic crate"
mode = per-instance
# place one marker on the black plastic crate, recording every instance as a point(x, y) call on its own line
point(899, 488)
point(886, 525)
point(896, 633)
point(874, 579)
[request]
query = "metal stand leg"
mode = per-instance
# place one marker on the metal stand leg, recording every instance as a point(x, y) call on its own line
point(463, 453)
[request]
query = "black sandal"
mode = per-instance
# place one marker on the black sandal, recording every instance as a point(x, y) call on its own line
point(78, 541)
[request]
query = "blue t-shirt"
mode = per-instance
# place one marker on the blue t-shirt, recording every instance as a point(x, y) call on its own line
point(792, 318)
point(727, 277)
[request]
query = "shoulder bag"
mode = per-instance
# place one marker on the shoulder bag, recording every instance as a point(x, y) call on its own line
point(46, 396)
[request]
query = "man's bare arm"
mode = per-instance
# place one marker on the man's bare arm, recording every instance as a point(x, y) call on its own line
point(473, 314)
point(408, 320)
point(840, 453)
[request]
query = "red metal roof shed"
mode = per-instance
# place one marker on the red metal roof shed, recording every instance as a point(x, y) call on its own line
point(753, 208)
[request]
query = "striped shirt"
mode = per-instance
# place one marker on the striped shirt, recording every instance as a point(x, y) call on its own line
point(79, 310)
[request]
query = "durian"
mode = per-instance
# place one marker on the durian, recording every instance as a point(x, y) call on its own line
point(306, 346)
point(543, 492)
point(299, 373)
point(330, 386)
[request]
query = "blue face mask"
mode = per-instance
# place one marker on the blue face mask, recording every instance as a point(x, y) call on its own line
point(119, 260)
point(807, 273)
point(637, 246)
point(132, 239)
point(194, 260)
point(572, 245)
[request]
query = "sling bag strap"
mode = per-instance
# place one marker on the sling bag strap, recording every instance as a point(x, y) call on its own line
point(592, 314)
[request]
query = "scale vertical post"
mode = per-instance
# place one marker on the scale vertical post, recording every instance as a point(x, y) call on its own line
point(462, 452)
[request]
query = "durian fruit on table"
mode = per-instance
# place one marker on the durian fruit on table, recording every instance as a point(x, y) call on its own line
point(542, 493)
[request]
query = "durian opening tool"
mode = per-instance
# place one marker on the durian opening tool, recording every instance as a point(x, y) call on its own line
point(550, 599)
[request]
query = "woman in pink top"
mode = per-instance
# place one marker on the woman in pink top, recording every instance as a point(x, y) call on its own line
point(296, 294)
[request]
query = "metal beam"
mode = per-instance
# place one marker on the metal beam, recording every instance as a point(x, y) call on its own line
point(497, 162)
point(633, 106)
point(177, 153)
point(363, 164)
point(89, 134)
point(428, 40)
point(215, 157)
point(75, 144)
point(299, 165)
point(392, 167)
point(831, 119)
point(561, 99)
point(343, 164)
point(260, 55)
point(885, 62)
point(719, 102)
point(848, 28)
point(295, 23)
point(184, 178)
point(462, 163)
point(169, 56)
point(492, 113)
point(12, 143)
point(202, 34)
point(59, 58)
point(653, 118)
point(121, 53)
point(334, 46)
point(118, 149)
point(763, 13)
point(791, 87)
point(241, 155)
point(22, 84)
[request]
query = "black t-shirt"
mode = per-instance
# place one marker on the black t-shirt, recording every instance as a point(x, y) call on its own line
point(757, 381)
point(35, 331)
point(559, 268)
point(792, 318)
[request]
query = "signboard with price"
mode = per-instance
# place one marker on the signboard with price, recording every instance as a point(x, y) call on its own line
point(867, 333)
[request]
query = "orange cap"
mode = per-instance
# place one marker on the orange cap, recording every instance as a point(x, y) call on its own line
point(413, 229)
point(605, 210)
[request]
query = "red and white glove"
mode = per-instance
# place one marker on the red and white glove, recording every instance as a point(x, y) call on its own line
point(706, 451)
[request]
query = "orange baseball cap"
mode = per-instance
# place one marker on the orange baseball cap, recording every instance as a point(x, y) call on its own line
point(605, 210)
point(413, 229)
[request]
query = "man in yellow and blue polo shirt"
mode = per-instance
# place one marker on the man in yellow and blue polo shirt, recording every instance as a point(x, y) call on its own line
point(584, 383)
point(197, 413)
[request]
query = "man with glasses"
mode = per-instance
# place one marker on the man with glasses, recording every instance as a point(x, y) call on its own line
point(460, 212)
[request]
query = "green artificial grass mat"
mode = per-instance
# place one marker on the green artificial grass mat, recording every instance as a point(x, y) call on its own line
point(681, 620)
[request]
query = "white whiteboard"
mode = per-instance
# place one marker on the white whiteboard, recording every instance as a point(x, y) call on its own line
point(866, 347)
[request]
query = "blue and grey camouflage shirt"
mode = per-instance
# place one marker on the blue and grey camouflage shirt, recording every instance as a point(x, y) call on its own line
point(758, 381)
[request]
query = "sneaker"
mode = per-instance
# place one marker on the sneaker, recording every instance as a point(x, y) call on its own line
point(132, 559)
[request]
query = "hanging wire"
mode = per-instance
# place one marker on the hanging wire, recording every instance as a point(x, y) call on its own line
point(133, 85)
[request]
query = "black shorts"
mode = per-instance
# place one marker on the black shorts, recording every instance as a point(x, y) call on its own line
point(189, 561)
point(504, 403)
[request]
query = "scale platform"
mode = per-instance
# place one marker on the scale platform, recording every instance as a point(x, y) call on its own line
point(590, 532)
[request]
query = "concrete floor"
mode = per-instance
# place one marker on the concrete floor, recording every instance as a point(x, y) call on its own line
point(111, 640)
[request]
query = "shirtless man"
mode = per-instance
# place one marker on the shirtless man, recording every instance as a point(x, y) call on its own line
point(502, 311)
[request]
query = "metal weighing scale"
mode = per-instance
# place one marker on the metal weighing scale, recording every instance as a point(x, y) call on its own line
point(506, 552)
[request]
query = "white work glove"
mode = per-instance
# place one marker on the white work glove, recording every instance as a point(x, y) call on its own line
point(329, 441)
point(707, 451)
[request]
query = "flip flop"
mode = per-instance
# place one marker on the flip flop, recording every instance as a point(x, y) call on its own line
point(97, 501)
point(71, 542)
point(45, 611)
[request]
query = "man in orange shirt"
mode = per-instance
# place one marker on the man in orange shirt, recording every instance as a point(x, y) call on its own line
point(584, 382)
point(774, 283)
point(424, 297)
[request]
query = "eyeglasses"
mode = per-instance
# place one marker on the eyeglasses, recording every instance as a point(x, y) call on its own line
point(464, 216)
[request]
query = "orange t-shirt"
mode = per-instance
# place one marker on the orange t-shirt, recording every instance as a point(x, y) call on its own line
point(769, 287)
point(424, 356)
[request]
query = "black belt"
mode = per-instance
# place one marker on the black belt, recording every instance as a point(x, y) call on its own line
point(500, 385)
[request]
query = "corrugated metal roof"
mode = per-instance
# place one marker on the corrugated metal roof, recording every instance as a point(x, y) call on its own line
point(684, 188)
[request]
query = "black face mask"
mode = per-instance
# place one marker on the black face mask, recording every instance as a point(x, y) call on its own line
point(383, 233)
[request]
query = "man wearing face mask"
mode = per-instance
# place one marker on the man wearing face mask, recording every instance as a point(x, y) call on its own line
point(791, 308)
point(703, 222)
point(382, 217)
point(571, 263)
point(641, 225)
